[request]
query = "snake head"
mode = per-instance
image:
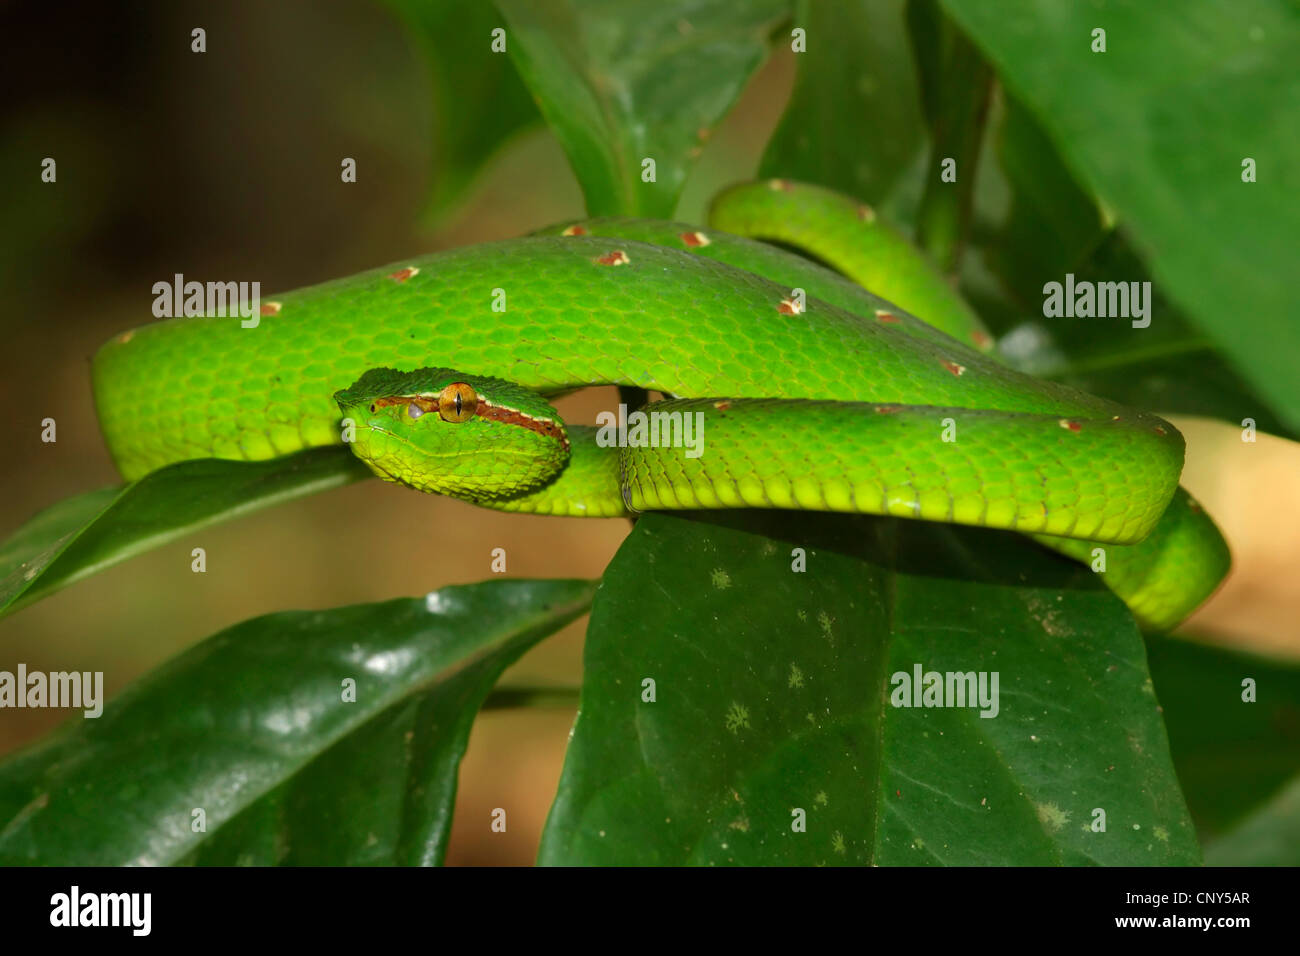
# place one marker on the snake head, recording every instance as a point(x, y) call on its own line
point(446, 432)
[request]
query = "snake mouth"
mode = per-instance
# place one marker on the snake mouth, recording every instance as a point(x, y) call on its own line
point(394, 457)
point(372, 443)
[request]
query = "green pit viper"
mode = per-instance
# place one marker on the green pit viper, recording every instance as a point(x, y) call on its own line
point(815, 393)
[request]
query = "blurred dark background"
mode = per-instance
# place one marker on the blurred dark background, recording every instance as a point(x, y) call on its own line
point(226, 165)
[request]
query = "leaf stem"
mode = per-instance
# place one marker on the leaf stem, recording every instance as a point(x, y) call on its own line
point(509, 698)
point(958, 113)
point(1120, 359)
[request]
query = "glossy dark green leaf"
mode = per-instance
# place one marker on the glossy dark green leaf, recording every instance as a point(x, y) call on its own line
point(773, 689)
point(479, 102)
point(381, 796)
point(251, 727)
point(82, 535)
point(855, 84)
point(1158, 126)
point(620, 83)
point(1231, 755)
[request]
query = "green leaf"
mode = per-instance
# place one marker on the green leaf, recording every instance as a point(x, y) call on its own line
point(80, 536)
point(1054, 228)
point(251, 727)
point(479, 100)
point(620, 83)
point(1158, 127)
point(854, 84)
point(1270, 837)
point(773, 688)
point(383, 795)
point(1231, 755)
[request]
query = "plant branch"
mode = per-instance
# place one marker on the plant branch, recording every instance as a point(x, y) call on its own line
point(958, 113)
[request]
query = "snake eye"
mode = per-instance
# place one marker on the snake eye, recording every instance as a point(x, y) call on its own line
point(372, 407)
point(457, 403)
point(414, 410)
